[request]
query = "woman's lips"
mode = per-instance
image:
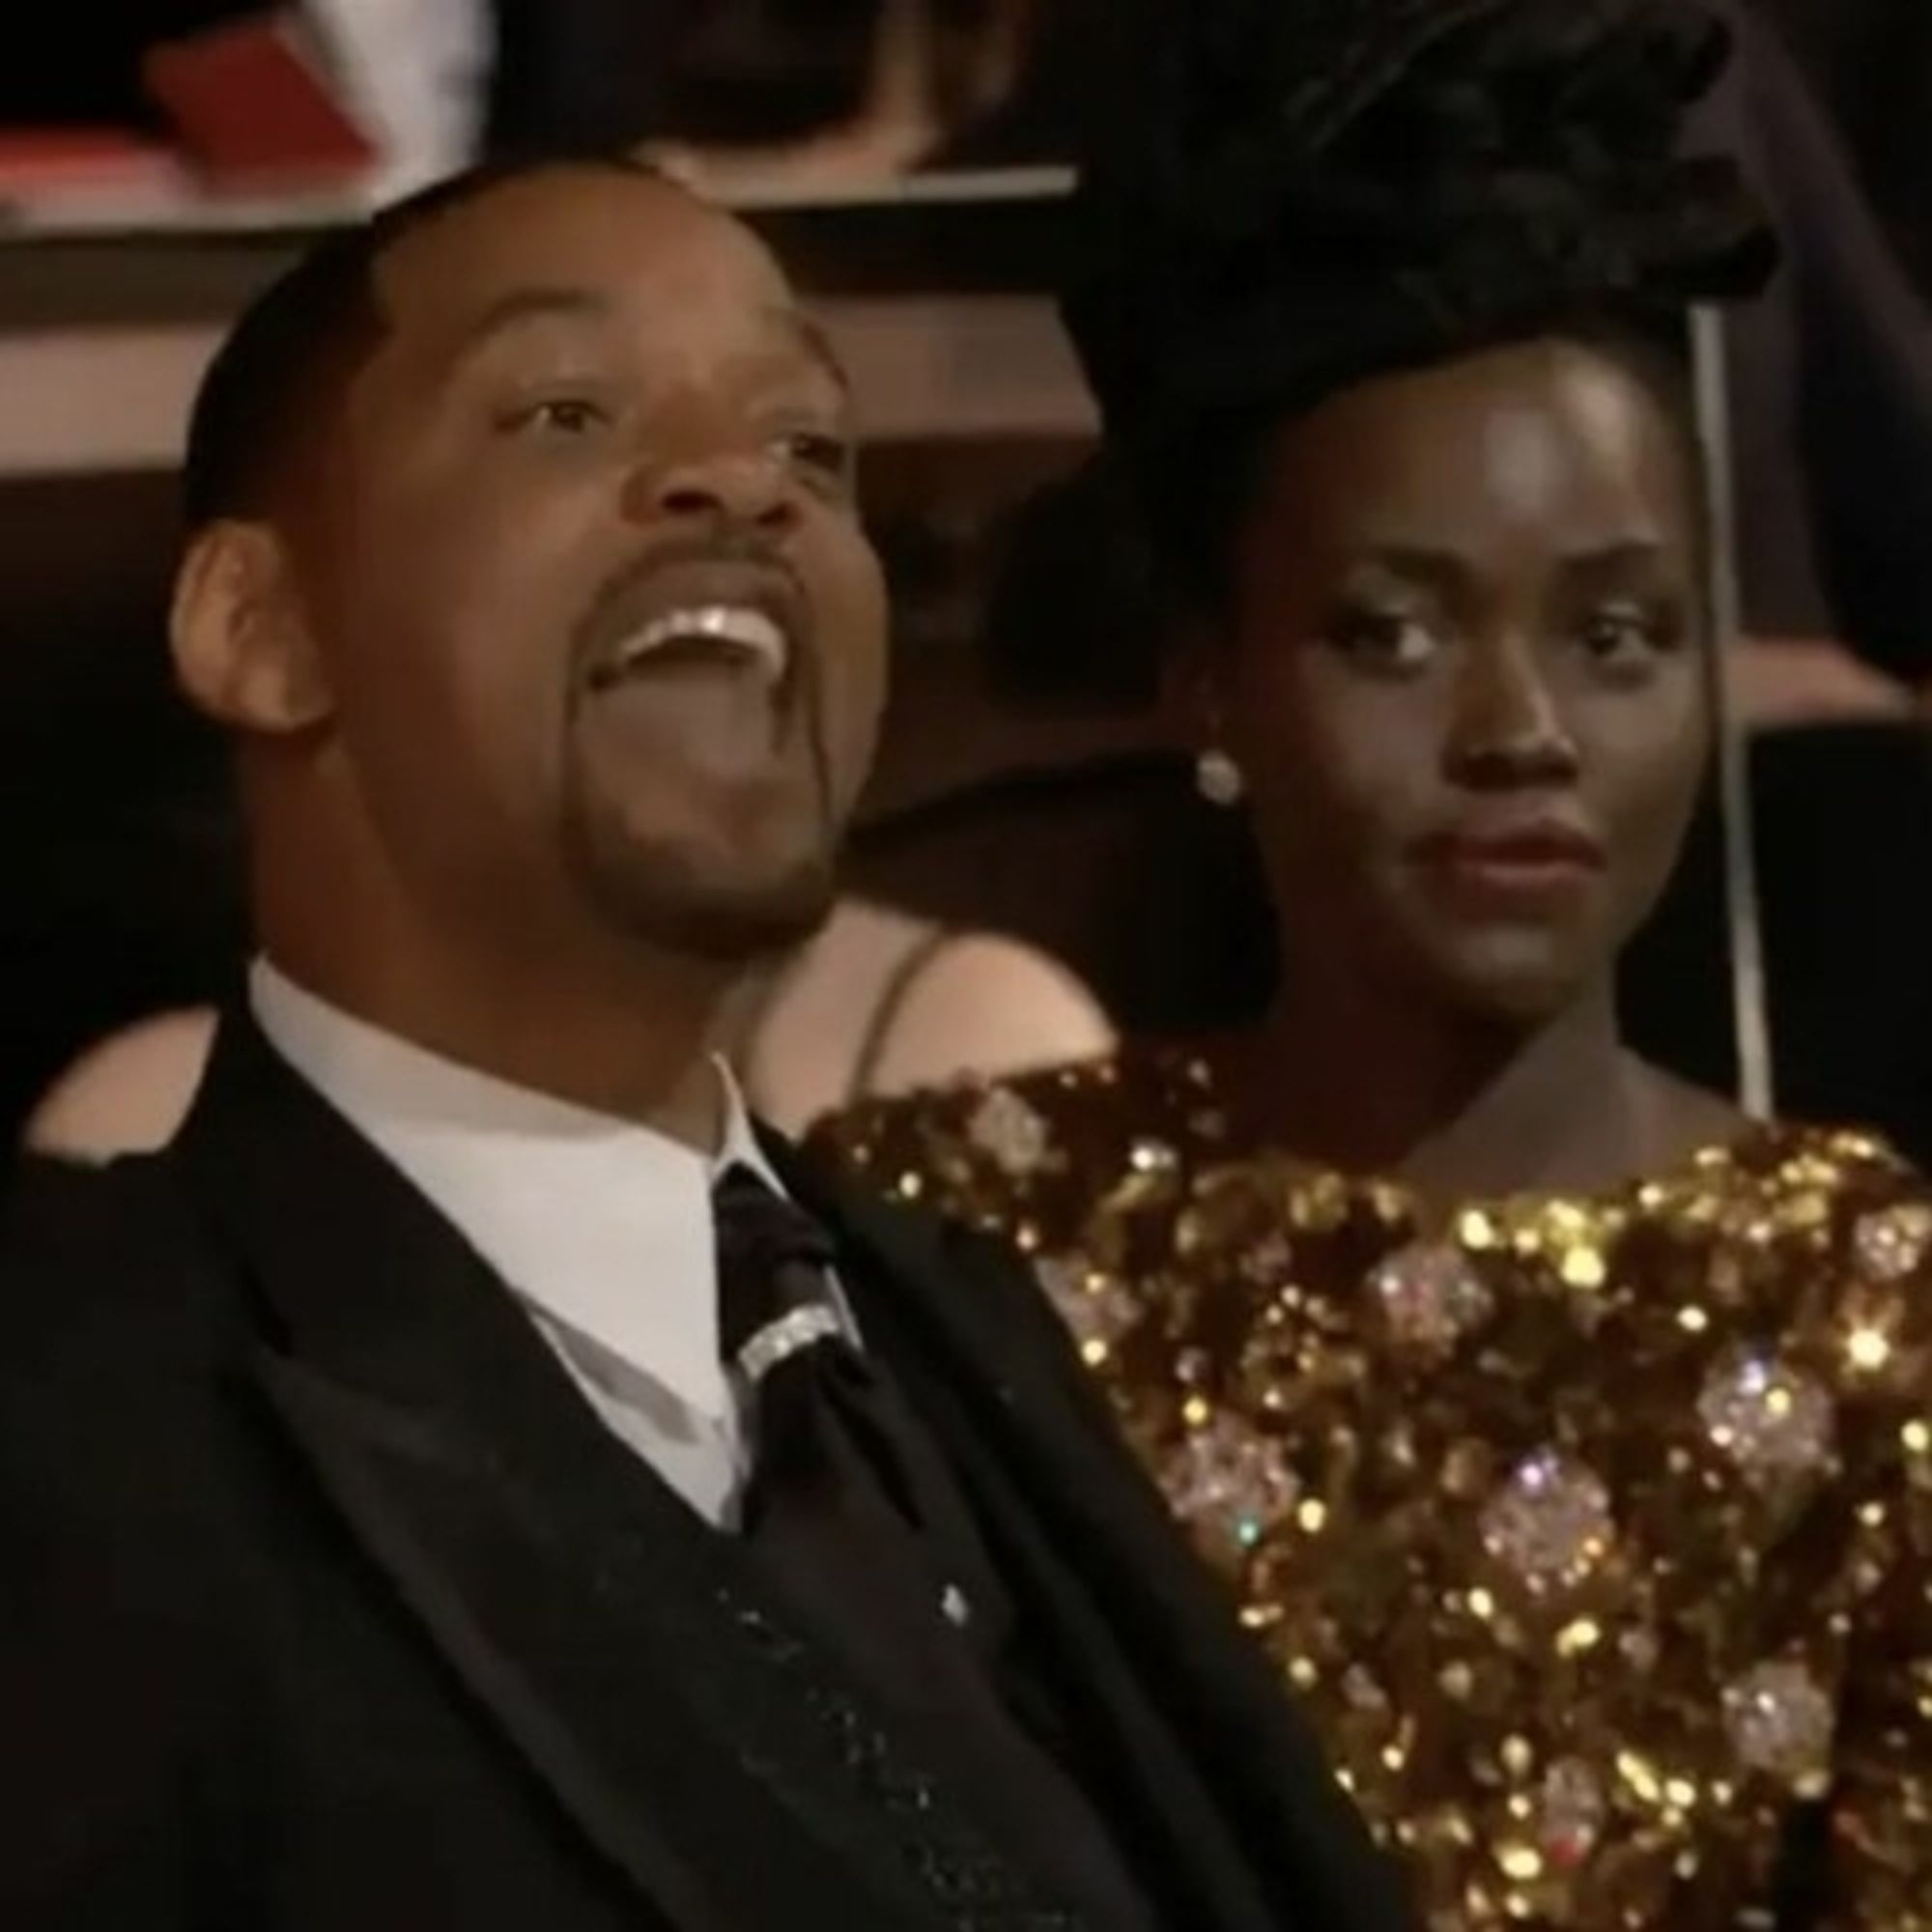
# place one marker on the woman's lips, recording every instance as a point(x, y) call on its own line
point(1532, 862)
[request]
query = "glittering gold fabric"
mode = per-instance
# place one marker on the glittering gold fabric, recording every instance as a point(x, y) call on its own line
point(1595, 1534)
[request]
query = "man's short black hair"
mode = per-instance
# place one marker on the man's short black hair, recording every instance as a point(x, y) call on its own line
point(272, 383)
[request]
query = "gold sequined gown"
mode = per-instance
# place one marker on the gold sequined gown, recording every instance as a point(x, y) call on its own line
point(1594, 1534)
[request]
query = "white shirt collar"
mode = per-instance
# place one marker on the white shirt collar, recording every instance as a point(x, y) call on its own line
point(602, 1226)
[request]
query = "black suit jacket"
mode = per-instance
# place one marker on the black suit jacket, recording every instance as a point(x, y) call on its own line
point(327, 1602)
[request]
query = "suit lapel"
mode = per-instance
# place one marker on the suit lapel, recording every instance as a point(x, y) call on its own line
point(621, 1646)
point(1256, 1821)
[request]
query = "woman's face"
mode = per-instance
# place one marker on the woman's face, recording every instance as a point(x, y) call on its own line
point(1459, 667)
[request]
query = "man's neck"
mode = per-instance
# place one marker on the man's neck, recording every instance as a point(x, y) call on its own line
point(1459, 1108)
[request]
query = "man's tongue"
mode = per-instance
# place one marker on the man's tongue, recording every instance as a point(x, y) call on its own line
point(697, 704)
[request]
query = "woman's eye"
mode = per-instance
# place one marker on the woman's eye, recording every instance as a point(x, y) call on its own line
point(1626, 638)
point(1389, 640)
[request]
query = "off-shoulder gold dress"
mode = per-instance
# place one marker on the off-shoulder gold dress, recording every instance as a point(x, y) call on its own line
point(1596, 1534)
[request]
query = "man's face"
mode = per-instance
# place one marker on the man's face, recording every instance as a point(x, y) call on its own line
point(604, 635)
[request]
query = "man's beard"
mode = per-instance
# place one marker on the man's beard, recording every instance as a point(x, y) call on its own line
point(658, 895)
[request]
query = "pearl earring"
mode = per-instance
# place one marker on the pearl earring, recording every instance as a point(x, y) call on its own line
point(1218, 779)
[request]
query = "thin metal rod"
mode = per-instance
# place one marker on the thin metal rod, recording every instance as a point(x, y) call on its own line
point(1750, 1001)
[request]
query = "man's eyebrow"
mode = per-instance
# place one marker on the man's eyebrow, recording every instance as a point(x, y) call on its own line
point(814, 341)
point(529, 304)
point(517, 306)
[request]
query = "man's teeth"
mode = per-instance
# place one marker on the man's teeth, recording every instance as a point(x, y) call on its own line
point(735, 626)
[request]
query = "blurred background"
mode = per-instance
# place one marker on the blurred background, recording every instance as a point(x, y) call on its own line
point(158, 161)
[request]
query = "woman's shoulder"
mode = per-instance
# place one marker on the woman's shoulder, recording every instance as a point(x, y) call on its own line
point(886, 1003)
point(127, 1094)
point(1795, 1176)
point(990, 1148)
point(1848, 1213)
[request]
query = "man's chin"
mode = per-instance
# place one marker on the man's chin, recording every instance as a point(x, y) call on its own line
point(747, 930)
point(728, 921)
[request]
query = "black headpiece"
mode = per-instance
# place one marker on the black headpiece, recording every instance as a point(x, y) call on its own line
point(1294, 195)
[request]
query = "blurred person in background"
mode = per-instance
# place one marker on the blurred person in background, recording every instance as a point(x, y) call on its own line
point(1493, 1365)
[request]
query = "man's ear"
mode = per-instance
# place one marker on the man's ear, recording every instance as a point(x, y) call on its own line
point(243, 652)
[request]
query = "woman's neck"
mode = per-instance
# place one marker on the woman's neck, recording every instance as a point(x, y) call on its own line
point(1455, 1107)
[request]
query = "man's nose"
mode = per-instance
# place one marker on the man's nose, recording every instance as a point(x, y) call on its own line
point(743, 487)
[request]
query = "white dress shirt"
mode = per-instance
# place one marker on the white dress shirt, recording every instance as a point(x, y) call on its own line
point(601, 1228)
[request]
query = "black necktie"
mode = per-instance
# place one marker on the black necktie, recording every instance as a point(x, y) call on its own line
point(827, 1439)
point(853, 1514)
